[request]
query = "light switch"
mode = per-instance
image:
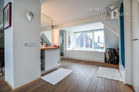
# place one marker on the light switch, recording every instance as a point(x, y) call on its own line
point(30, 44)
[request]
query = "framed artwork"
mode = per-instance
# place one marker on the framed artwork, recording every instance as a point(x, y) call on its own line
point(7, 16)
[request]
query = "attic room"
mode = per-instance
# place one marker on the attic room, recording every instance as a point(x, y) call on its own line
point(69, 46)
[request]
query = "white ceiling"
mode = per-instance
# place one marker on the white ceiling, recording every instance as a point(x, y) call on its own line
point(65, 11)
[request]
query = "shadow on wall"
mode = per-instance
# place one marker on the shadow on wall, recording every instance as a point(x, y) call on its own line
point(1, 24)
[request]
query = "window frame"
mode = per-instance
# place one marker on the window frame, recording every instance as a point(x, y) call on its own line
point(84, 47)
point(103, 38)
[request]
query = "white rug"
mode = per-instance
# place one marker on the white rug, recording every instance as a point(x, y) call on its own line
point(109, 73)
point(56, 76)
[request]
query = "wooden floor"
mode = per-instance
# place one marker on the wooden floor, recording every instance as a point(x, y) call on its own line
point(82, 79)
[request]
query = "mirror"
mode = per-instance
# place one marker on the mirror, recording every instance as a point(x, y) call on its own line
point(46, 30)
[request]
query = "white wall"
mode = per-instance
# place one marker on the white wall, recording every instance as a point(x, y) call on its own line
point(23, 62)
point(9, 62)
point(85, 55)
point(128, 43)
point(127, 70)
point(130, 72)
point(135, 68)
point(113, 22)
point(135, 35)
point(111, 39)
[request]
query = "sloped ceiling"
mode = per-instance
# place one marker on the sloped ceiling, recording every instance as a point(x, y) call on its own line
point(65, 11)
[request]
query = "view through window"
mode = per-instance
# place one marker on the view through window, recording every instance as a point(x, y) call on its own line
point(87, 40)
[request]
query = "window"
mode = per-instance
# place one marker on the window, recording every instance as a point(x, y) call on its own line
point(98, 39)
point(87, 40)
point(79, 40)
point(69, 41)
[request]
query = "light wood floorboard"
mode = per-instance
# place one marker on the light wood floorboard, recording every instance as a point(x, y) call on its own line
point(82, 79)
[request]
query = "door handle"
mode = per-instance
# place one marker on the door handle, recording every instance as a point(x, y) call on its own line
point(135, 39)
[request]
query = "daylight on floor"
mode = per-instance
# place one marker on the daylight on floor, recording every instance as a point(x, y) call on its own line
point(69, 45)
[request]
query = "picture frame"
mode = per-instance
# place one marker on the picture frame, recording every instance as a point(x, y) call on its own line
point(7, 16)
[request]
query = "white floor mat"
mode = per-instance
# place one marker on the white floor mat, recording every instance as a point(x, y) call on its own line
point(56, 76)
point(109, 73)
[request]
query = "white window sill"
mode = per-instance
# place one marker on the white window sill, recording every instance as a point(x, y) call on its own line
point(95, 50)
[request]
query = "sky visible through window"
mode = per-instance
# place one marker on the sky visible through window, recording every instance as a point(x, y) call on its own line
point(92, 40)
